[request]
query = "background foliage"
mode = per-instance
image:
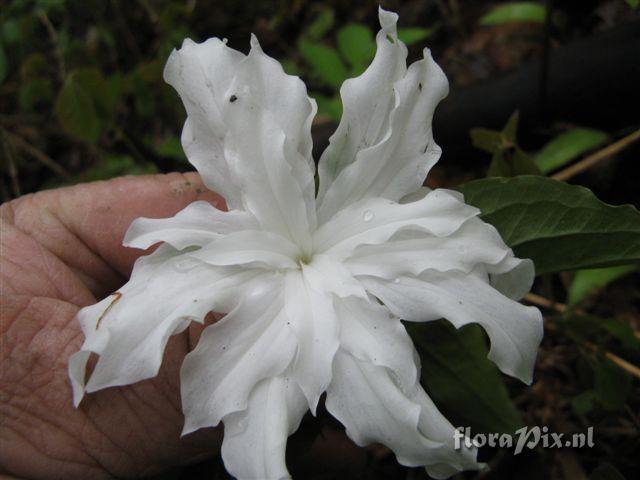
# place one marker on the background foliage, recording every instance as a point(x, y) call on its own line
point(82, 99)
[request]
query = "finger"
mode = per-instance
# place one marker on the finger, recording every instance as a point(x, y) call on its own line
point(84, 225)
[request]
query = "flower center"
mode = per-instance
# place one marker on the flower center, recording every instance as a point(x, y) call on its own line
point(304, 259)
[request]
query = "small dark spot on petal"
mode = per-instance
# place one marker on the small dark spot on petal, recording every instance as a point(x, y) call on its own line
point(233, 98)
point(420, 86)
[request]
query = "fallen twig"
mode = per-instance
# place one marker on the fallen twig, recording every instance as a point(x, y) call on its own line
point(53, 37)
point(35, 153)
point(543, 302)
point(11, 166)
point(620, 362)
point(596, 157)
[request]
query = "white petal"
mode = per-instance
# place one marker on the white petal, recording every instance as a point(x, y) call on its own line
point(248, 131)
point(313, 319)
point(202, 73)
point(129, 330)
point(373, 408)
point(255, 439)
point(374, 221)
point(370, 333)
point(384, 145)
point(255, 247)
point(474, 243)
point(515, 331)
point(249, 344)
point(512, 277)
point(259, 151)
point(367, 100)
point(196, 225)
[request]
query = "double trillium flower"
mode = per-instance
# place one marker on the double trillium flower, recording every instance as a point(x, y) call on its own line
point(313, 286)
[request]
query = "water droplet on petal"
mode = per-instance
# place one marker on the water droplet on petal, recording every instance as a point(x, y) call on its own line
point(396, 280)
point(367, 215)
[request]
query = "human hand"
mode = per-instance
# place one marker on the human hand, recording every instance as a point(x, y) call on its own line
point(62, 250)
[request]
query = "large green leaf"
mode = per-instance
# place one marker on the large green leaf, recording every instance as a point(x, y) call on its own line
point(325, 62)
point(559, 226)
point(568, 146)
point(76, 111)
point(515, 12)
point(463, 383)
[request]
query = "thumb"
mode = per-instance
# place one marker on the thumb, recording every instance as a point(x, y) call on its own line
point(84, 225)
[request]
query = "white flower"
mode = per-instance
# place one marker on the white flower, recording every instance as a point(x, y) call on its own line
point(313, 287)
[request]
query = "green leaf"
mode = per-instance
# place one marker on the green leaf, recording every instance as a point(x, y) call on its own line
point(511, 162)
point(76, 111)
point(612, 384)
point(559, 226)
point(35, 92)
point(586, 282)
point(568, 146)
point(356, 45)
point(623, 332)
point(633, 3)
point(35, 65)
point(463, 383)
point(10, 31)
point(508, 158)
point(320, 25)
point(104, 93)
point(171, 147)
point(411, 35)
point(488, 140)
point(330, 106)
point(510, 130)
point(324, 61)
point(290, 67)
point(515, 12)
